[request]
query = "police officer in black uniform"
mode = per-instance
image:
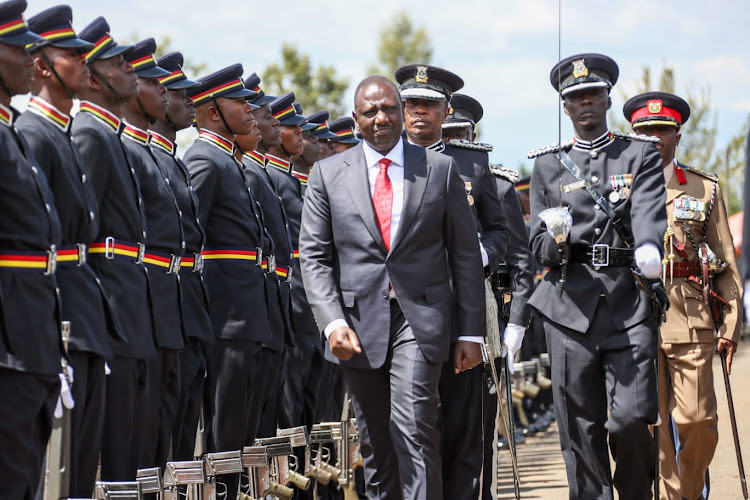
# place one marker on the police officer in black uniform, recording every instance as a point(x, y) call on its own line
point(116, 253)
point(599, 323)
point(59, 73)
point(196, 321)
point(232, 260)
point(343, 129)
point(30, 349)
point(426, 92)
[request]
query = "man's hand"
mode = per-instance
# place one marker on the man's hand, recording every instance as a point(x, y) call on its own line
point(344, 343)
point(730, 348)
point(466, 356)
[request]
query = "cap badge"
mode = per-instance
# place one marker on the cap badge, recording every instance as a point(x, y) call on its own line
point(451, 111)
point(580, 69)
point(654, 107)
point(421, 76)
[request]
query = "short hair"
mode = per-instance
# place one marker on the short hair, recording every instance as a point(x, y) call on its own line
point(375, 79)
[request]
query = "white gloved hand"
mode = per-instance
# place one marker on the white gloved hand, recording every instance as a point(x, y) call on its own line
point(648, 259)
point(746, 301)
point(512, 340)
point(66, 395)
point(568, 225)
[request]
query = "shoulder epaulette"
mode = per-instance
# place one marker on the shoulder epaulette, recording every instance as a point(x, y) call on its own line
point(505, 173)
point(476, 146)
point(552, 148)
point(710, 175)
point(636, 137)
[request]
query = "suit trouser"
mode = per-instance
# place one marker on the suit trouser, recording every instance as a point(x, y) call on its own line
point(126, 409)
point(232, 369)
point(396, 407)
point(87, 421)
point(489, 465)
point(25, 427)
point(461, 430)
point(605, 371)
point(686, 392)
point(192, 376)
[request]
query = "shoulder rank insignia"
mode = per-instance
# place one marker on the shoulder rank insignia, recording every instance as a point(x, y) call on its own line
point(628, 136)
point(710, 175)
point(552, 148)
point(476, 146)
point(508, 174)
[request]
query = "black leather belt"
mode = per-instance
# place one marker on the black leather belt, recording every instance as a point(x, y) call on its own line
point(600, 255)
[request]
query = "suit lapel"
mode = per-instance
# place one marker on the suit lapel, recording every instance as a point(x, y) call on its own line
point(358, 185)
point(416, 173)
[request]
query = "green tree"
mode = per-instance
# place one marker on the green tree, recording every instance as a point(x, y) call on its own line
point(401, 43)
point(315, 88)
point(697, 146)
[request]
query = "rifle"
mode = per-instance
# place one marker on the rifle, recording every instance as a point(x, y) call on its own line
point(320, 469)
point(218, 464)
point(256, 462)
point(348, 452)
point(57, 477)
point(189, 474)
point(278, 450)
point(298, 437)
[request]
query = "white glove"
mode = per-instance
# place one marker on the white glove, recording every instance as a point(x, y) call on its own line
point(648, 259)
point(66, 395)
point(746, 301)
point(485, 257)
point(568, 225)
point(512, 340)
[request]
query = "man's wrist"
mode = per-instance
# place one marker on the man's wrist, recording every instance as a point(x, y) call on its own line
point(471, 338)
point(333, 325)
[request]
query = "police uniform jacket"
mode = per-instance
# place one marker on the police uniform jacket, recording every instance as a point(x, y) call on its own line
point(226, 210)
point(165, 239)
point(642, 211)
point(30, 328)
point(277, 226)
point(518, 257)
point(109, 167)
point(488, 212)
point(84, 302)
point(195, 319)
point(290, 189)
point(688, 318)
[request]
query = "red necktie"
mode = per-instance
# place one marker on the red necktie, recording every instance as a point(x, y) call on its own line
point(382, 199)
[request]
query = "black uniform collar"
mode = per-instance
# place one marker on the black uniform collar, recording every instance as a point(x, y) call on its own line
point(102, 115)
point(136, 134)
point(598, 143)
point(276, 162)
point(161, 142)
point(217, 141)
point(439, 146)
point(7, 115)
point(258, 158)
point(41, 107)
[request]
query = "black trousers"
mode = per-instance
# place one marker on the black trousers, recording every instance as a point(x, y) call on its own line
point(233, 375)
point(266, 400)
point(604, 385)
point(192, 375)
point(304, 366)
point(126, 410)
point(87, 421)
point(461, 430)
point(163, 396)
point(25, 427)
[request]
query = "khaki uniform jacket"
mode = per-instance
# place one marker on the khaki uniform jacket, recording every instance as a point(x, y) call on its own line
point(689, 319)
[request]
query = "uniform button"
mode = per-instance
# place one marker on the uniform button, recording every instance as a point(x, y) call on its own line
point(140, 202)
point(597, 231)
point(182, 245)
point(144, 235)
point(132, 170)
point(190, 188)
point(98, 281)
point(594, 154)
point(167, 181)
point(180, 212)
point(91, 215)
point(597, 207)
point(84, 178)
point(34, 170)
point(385, 294)
point(47, 207)
point(594, 179)
point(57, 291)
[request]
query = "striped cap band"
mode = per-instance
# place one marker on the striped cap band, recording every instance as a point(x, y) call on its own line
point(172, 77)
point(12, 26)
point(220, 89)
point(345, 133)
point(59, 33)
point(280, 115)
point(99, 46)
point(145, 60)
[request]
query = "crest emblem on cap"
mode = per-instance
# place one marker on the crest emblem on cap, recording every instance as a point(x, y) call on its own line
point(421, 76)
point(580, 69)
point(654, 106)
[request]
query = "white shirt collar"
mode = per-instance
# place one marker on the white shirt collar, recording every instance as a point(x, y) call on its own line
point(396, 154)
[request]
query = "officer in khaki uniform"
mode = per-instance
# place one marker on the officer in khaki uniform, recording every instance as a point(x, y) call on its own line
point(696, 215)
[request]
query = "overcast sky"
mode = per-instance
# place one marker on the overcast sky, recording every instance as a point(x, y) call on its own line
point(504, 50)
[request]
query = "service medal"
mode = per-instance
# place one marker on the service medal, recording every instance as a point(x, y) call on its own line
point(614, 196)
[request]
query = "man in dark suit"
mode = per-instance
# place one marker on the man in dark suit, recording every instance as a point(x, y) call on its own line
point(599, 323)
point(30, 347)
point(387, 247)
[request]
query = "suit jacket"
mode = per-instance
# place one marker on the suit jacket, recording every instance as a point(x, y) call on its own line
point(433, 265)
point(642, 212)
point(84, 302)
point(688, 318)
point(518, 257)
point(122, 216)
point(30, 327)
point(489, 216)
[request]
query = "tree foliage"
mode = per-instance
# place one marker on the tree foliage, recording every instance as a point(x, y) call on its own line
point(698, 146)
point(401, 43)
point(315, 88)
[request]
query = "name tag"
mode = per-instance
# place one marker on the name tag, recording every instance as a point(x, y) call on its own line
point(574, 186)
